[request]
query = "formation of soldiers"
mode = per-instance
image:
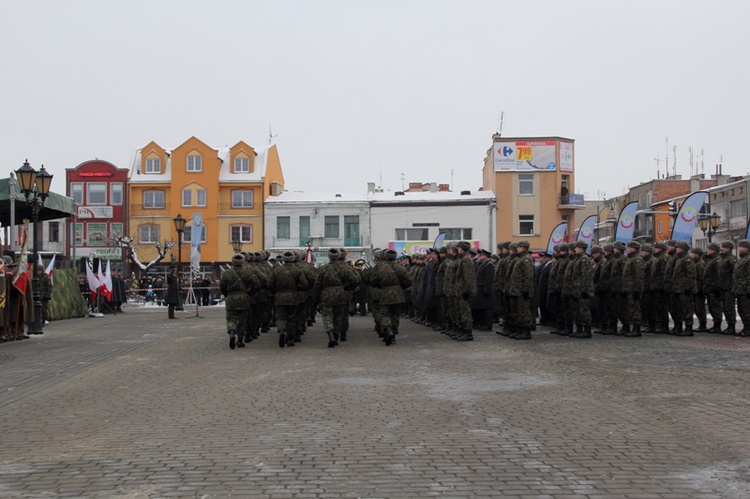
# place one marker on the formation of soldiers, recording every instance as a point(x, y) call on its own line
point(621, 288)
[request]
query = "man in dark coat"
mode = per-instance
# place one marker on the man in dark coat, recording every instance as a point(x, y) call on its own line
point(172, 298)
point(542, 289)
point(483, 302)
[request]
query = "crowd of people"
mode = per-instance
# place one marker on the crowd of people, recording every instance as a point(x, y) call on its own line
point(17, 301)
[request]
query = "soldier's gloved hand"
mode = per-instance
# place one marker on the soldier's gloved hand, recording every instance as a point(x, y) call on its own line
point(637, 295)
point(466, 295)
point(584, 295)
point(526, 296)
point(688, 292)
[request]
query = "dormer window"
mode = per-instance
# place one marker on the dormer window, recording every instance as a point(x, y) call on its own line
point(241, 165)
point(153, 165)
point(194, 163)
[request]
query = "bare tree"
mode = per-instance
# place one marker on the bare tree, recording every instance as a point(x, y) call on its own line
point(127, 243)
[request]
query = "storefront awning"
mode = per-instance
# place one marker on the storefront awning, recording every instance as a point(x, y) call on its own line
point(55, 206)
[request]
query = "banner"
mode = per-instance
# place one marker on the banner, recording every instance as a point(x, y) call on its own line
point(525, 155)
point(439, 240)
point(684, 224)
point(747, 231)
point(626, 223)
point(586, 232)
point(195, 240)
point(556, 237)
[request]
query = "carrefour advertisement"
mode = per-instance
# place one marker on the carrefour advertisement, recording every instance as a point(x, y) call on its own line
point(525, 156)
point(566, 156)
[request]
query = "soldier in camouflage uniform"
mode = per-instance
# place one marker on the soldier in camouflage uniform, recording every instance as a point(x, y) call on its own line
point(583, 290)
point(597, 262)
point(656, 283)
point(391, 279)
point(450, 290)
point(554, 294)
point(374, 293)
point(520, 290)
point(699, 298)
point(603, 291)
point(235, 285)
point(287, 280)
point(648, 302)
point(632, 289)
point(257, 300)
point(684, 286)
point(333, 286)
point(618, 300)
point(265, 297)
point(711, 286)
point(442, 324)
point(741, 286)
point(728, 298)
point(499, 282)
point(673, 304)
point(509, 326)
point(465, 282)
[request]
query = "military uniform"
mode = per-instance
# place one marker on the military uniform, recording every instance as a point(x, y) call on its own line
point(234, 286)
point(286, 282)
point(632, 288)
point(391, 279)
point(741, 286)
point(711, 288)
point(603, 291)
point(699, 298)
point(656, 283)
point(583, 290)
point(618, 300)
point(727, 261)
point(465, 288)
point(45, 293)
point(332, 289)
point(520, 289)
point(648, 301)
point(684, 286)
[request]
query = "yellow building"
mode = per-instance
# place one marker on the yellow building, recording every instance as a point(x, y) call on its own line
point(534, 181)
point(227, 186)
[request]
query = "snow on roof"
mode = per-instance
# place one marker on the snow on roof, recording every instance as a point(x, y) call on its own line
point(380, 197)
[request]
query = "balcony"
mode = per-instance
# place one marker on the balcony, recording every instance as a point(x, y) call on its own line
point(143, 210)
point(571, 202)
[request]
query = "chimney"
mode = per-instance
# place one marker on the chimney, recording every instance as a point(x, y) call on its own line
point(370, 187)
point(433, 187)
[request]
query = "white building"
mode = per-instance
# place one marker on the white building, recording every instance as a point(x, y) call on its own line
point(408, 222)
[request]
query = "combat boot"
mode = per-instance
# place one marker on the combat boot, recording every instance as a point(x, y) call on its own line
point(651, 327)
point(389, 336)
point(745, 331)
point(232, 338)
point(687, 331)
point(331, 341)
point(523, 334)
point(343, 337)
point(582, 332)
point(634, 331)
point(240, 342)
point(624, 330)
point(282, 339)
point(466, 336)
point(702, 328)
point(677, 328)
point(716, 328)
point(729, 330)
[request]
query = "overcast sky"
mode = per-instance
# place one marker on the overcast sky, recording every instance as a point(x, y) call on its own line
point(403, 91)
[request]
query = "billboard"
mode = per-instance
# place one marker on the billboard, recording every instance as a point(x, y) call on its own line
point(566, 156)
point(525, 155)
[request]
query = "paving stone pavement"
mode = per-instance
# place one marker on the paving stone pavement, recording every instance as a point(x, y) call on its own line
point(138, 406)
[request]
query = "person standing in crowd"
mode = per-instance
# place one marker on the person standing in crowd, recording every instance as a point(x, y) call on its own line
point(699, 298)
point(648, 303)
point(159, 290)
point(520, 289)
point(119, 295)
point(741, 286)
point(728, 298)
point(583, 286)
point(619, 300)
point(483, 301)
point(632, 289)
point(465, 282)
point(205, 286)
point(45, 292)
point(711, 286)
point(656, 281)
point(499, 282)
point(561, 307)
point(671, 298)
point(603, 291)
point(172, 299)
point(683, 288)
point(359, 299)
point(542, 290)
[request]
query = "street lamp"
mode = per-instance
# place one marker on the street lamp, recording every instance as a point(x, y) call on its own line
point(35, 187)
point(709, 224)
point(236, 245)
point(179, 226)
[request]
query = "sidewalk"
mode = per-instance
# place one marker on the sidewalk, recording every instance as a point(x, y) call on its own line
point(139, 406)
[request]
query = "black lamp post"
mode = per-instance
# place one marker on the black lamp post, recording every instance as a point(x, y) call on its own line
point(709, 224)
point(179, 226)
point(236, 245)
point(35, 187)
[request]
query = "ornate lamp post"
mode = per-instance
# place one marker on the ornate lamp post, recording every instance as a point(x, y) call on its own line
point(179, 226)
point(236, 245)
point(35, 187)
point(709, 224)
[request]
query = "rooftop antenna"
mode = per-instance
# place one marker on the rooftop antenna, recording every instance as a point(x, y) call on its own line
point(666, 161)
point(702, 170)
point(403, 175)
point(674, 153)
point(500, 128)
point(271, 136)
point(657, 165)
point(690, 159)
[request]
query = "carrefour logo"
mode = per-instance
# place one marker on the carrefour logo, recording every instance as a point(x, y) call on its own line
point(689, 214)
point(566, 156)
point(505, 151)
point(627, 221)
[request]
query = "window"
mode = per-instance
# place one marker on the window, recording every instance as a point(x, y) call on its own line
point(187, 197)
point(200, 197)
point(115, 194)
point(526, 184)
point(97, 193)
point(457, 234)
point(194, 163)
point(304, 228)
point(187, 234)
point(241, 165)
point(115, 230)
point(351, 230)
point(153, 165)
point(526, 225)
point(658, 225)
point(242, 199)
point(331, 227)
point(153, 199)
point(283, 227)
point(76, 192)
point(412, 234)
point(243, 233)
point(149, 233)
point(738, 208)
point(78, 234)
point(54, 232)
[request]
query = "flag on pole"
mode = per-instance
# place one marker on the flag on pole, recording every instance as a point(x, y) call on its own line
point(51, 268)
point(556, 237)
point(22, 278)
point(309, 254)
point(108, 281)
point(684, 223)
point(586, 231)
point(93, 281)
point(626, 223)
point(103, 291)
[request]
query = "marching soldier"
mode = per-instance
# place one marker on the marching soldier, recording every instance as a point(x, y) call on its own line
point(631, 289)
point(699, 298)
point(287, 280)
point(236, 285)
point(726, 270)
point(711, 288)
point(391, 279)
point(741, 286)
point(332, 288)
point(683, 288)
